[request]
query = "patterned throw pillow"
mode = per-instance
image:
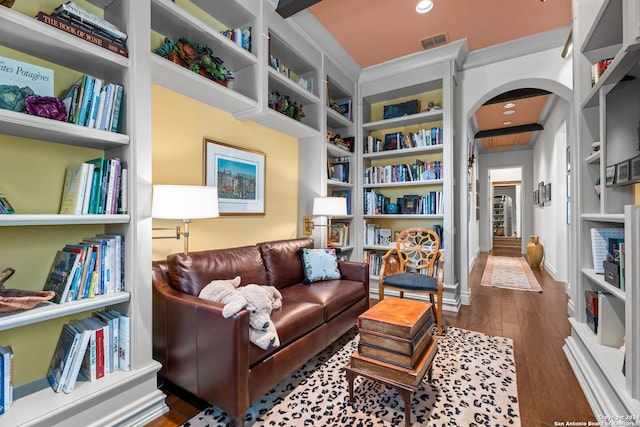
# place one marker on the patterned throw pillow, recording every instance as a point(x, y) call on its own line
point(319, 264)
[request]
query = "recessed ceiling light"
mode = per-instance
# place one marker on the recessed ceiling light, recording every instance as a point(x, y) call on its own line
point(507, 122)
point(424, 6)
point(507, 112)
point(509, 105)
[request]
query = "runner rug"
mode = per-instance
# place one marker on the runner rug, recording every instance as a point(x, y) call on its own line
point(509, 273)
point(474, 383)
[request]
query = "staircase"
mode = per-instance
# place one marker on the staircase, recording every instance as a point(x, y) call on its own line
point(506, 246)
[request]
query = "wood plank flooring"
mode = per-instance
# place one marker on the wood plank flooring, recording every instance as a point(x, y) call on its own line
point(536, 322)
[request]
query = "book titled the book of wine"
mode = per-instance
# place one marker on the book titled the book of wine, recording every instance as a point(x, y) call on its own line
point(399, 317)
point(383, 353)
point(411, 377)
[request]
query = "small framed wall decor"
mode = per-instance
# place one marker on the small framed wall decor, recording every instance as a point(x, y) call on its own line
point(622, 172)
point(611, 175)
point(239, 175)
point(547, 192)
point(635, 169)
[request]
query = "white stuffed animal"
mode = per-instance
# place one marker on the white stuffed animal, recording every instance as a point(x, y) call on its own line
point(258, 300)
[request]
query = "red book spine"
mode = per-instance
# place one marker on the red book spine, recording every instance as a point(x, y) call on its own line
point(99, 353)
point(81, 33)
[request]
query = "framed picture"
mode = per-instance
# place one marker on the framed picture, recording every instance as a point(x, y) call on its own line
point(547, 192)
point(345, 106)
point(541, 193)
point(338, 235)
point(635, 169)
point(622, 172)
point(611, 175)
point(536, 196)
point(239, 176)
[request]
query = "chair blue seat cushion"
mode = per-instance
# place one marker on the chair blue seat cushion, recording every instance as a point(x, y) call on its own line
point(412, 282)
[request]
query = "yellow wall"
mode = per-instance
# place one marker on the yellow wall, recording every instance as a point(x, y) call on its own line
point(179, 126)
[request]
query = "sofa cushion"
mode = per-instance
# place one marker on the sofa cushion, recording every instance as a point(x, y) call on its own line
point(282, 262)
point(294, 320)
point(191, 272)
point(319, 264)
point(334, 295)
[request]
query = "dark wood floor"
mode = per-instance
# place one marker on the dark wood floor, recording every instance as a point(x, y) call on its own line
point(536, 322)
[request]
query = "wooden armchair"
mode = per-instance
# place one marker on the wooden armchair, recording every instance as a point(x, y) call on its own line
point(414, 266)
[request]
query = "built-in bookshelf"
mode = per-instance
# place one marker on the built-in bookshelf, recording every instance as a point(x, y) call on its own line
point(406, 171)
point(36, 153)
point(606, 360)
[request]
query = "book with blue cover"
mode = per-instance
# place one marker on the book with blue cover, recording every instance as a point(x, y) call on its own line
point(61, 275)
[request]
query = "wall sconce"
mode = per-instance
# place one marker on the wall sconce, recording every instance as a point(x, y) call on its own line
point(325, 206)
point(184, 202)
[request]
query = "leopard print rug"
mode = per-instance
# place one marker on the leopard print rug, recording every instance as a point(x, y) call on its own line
point(473, 384)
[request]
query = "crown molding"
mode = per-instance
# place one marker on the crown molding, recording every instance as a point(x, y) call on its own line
point(555, 38)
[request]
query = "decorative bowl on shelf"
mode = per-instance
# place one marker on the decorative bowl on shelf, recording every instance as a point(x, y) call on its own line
point(391, 208)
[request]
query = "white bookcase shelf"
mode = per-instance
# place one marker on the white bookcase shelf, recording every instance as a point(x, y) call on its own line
point(601, 117)
point(121, 398)
point(54, 311)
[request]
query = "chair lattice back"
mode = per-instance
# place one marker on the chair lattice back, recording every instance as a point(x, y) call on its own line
point(418, 249)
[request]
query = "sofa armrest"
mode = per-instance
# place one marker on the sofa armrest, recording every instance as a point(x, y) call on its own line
point(356, 271)
point(200, 350)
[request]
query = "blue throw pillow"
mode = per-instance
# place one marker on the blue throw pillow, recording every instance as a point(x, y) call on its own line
point(319, 264)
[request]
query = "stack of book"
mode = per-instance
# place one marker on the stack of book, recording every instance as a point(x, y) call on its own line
point(75, 20)
point(90, 348)
point(97, 186)
point(93, 103)
point(94, 266)
point(396, 340)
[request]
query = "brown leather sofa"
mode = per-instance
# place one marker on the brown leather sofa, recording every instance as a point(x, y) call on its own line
point(211, 356)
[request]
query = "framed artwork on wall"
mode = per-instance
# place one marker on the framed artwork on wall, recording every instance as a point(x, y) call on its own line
point(635, 168)
point(239, 176)
point(622, 172)
point(547, 192)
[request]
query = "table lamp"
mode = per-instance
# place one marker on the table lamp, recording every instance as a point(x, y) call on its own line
point(184, 202)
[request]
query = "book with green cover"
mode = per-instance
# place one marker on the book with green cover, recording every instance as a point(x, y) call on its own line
point(99, 183)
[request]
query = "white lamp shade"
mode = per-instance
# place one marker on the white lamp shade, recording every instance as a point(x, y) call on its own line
point(184, 202)
point(329, 206)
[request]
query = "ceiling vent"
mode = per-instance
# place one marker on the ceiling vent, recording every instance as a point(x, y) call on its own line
point(434, 41)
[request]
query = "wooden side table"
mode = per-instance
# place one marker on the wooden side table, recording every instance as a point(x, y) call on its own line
point(404, 390)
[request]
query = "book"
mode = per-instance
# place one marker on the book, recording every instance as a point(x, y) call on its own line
point(6, 378)
point(61, 275)
point(83, 15)
point(599, 245)
point(72, 295)
point(114, 334)
point(101, 170)
point(411, 377)
point(101, 345)
point(124, 340)
point(78, 357)
point(62, 356)
point(88, 185)
point(399, 345)
point(117, 106)
point(383, 353)
point(395, 316)
point(69, 98)
point(74, 29)
point(85, 101)
point(117, 242)
point(611, 313)
point(21, 74)
point(75, 182)
point(92, 112)
point(5, 205)
point(112, 185)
